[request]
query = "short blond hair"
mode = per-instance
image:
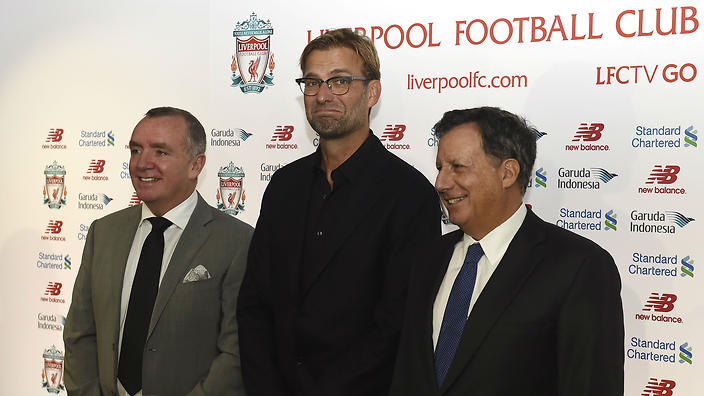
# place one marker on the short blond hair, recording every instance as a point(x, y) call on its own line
point(347, 38)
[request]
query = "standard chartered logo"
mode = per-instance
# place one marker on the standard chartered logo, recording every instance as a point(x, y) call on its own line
point(541, 178)
point(686, 353)
point(687, 267)
point(610, 220)
point(690, 137)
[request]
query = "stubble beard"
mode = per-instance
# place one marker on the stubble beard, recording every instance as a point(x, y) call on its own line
point(337, 128)
point(330, 128)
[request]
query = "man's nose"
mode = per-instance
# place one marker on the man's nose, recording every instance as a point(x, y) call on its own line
point(324, 94)
point(442, 181)
point(144, 161)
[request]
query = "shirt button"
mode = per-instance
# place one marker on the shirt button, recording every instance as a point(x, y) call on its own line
point(319, 234)
point(325, 196)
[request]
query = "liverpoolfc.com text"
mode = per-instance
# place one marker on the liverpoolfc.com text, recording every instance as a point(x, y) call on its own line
point(472, 80)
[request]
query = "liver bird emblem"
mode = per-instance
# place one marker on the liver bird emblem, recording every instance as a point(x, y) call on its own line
point(253, 66)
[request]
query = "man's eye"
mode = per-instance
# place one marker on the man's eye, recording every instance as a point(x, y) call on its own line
point(161, 152)
point(312, 83)
point(341, 82)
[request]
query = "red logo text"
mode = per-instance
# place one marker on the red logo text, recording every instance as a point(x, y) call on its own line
point(663, 174)
point(588, 132)
point(134, 200)
point(54, 227)
point(393, 133)
point(659, 388)
point(53, 289)
point(660, 303)
point(96, 166)
point(55, 135)
point(282, 133)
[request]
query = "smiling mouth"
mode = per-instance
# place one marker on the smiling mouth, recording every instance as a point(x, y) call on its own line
point(148, 179)
point(455, 200)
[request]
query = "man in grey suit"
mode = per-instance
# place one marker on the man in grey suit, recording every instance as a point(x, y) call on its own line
point(153, 307)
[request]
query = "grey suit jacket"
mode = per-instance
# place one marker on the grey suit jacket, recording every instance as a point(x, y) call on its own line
point(192, 345)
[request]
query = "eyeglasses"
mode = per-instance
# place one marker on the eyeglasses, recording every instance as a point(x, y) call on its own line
point(339, 85)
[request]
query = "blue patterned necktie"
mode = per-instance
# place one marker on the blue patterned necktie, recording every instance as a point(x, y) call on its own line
point(456, 312)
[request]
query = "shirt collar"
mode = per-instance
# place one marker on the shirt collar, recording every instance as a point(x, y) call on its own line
point(179, 215)
point(496, 242)
point(355, 166)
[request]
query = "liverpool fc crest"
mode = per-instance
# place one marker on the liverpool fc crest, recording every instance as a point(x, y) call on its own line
point(253, 56)
point(53, 372)
point(230, 195)
point(54, 188)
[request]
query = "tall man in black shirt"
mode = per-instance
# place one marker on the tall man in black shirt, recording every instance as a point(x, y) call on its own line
point(320, 306)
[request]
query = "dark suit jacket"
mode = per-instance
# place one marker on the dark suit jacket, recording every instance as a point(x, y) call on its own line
point(192, 340)
point(549, 321)
point(335, 332)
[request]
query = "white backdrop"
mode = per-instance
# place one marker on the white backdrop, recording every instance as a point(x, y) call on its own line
point(618, 97)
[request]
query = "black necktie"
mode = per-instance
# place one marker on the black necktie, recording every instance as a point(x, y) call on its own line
point(456, 312)
point(139, 310)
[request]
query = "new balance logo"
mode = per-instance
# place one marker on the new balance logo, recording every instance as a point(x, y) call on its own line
point(134, 200)
point(54, 227)
point(393, 133)
point(282, 133)
point(588, 132)
point(53, 289)
point(663, 175)
point(660, 303)
point(659, 388)
point(55, 135)
point(96, 166)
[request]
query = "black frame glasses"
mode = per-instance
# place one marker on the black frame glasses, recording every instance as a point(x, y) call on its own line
point(338, 85)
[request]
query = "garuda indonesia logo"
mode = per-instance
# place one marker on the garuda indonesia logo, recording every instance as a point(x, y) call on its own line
point(54, 187)
point(230, 195)
point(252, 55)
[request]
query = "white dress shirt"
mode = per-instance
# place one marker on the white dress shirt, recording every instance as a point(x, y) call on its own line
point(179, 216)
point(494, 245)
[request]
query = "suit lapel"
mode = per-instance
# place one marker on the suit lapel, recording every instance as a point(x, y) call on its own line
point(192, 238)
point(515, 267)
point(120, 247)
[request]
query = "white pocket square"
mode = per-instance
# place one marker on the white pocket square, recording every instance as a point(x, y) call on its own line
point(196, 274)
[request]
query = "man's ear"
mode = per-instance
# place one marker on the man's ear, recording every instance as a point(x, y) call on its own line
point(509, 172)
point(197, 164)
point(373, 92)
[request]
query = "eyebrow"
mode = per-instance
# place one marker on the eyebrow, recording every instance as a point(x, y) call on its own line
point(333, 73)
point(153, 145)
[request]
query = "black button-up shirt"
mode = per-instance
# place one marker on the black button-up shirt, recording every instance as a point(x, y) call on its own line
point(325, 203)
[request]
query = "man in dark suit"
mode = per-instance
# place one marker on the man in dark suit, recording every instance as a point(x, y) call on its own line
point(321, 303)
point(508, 304)
point(153, 306)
